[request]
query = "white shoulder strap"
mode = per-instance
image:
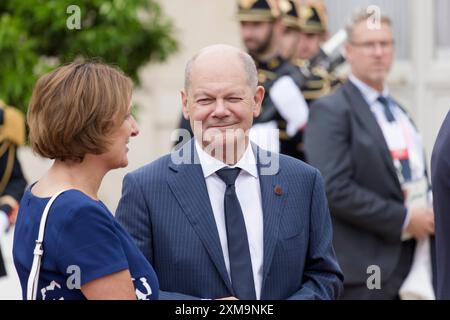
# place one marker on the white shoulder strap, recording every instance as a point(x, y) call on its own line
point(33, 278)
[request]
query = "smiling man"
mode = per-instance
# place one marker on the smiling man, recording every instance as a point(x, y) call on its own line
point(221, 103)
point(218, 225)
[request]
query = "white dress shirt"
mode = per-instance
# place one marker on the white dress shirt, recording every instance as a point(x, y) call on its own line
point(248, 192)
point(405, 133)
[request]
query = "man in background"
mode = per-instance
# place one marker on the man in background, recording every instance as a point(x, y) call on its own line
point(264, 24)
point(371, 156)
point(304, 32)
point(313, 29)
point(313, 33)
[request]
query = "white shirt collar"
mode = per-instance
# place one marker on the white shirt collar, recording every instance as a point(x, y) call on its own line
point(210, 164)
point(369, 93)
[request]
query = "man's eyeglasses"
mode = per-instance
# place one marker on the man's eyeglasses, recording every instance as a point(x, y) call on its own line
point(371, 46)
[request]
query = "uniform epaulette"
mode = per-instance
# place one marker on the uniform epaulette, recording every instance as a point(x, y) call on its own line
point(266, 75)
point(13, 126)
point(319, 84)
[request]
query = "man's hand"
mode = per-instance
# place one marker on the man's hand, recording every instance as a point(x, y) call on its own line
point(228, 298)
point(8, 220)
point(13, 215)
point(421, 223)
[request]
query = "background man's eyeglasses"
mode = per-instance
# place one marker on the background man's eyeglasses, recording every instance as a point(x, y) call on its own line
point(371, 46)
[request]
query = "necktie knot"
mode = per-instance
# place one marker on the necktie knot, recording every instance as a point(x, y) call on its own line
point(241, 272)
point(387, 108)
point(228, 175)
point(384, 100)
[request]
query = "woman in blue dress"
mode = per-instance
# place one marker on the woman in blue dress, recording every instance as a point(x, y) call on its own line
point(79, 115)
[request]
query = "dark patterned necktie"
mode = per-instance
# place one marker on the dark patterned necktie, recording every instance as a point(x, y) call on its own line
point(387, 108)
point(405, 165)
point(238, 250)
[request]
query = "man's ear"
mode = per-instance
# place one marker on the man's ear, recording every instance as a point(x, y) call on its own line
point(258, 99)
point(184, 101)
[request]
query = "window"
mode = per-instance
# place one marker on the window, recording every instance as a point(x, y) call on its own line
point(442, 27)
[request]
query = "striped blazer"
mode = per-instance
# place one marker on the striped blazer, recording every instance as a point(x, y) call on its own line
point(166, 208)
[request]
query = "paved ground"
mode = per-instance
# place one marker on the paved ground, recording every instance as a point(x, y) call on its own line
point(9, 286)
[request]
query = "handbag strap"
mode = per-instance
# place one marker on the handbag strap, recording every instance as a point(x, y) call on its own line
point(33, 278)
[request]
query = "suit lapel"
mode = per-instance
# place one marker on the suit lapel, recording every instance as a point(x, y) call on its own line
point(363, 112)
point(273, 197)
point(189, 188)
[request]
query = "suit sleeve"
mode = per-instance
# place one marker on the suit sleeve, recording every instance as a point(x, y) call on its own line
point(322, 277)
point(328, 147)
point(134, 215)
point(440, 174)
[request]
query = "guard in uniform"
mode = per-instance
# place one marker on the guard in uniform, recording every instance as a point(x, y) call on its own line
point(290, 10)
point(307, 25)
point(12, 181)
point(283, 107)
point(321, 80)
point(313, 28)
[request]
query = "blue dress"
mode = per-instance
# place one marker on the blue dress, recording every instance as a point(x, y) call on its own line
point(82, 242)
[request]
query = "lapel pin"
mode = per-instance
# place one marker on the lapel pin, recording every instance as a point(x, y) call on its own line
point(278, 190)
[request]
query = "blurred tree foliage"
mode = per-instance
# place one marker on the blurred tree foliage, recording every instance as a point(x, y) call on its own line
point(34, 38)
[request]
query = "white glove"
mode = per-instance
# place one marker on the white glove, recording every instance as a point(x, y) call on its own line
point(4, 222)
point(290, 103)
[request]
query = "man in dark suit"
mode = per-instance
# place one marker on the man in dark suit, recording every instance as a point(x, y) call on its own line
point(221, 217)
point(440, 178)
point(12, 181)
point(371, 157)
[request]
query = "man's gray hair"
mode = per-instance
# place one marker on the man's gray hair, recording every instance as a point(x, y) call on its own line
point(247, 61)
point(365, 14)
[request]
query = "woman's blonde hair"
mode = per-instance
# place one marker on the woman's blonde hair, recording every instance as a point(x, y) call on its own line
point(75, 108)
